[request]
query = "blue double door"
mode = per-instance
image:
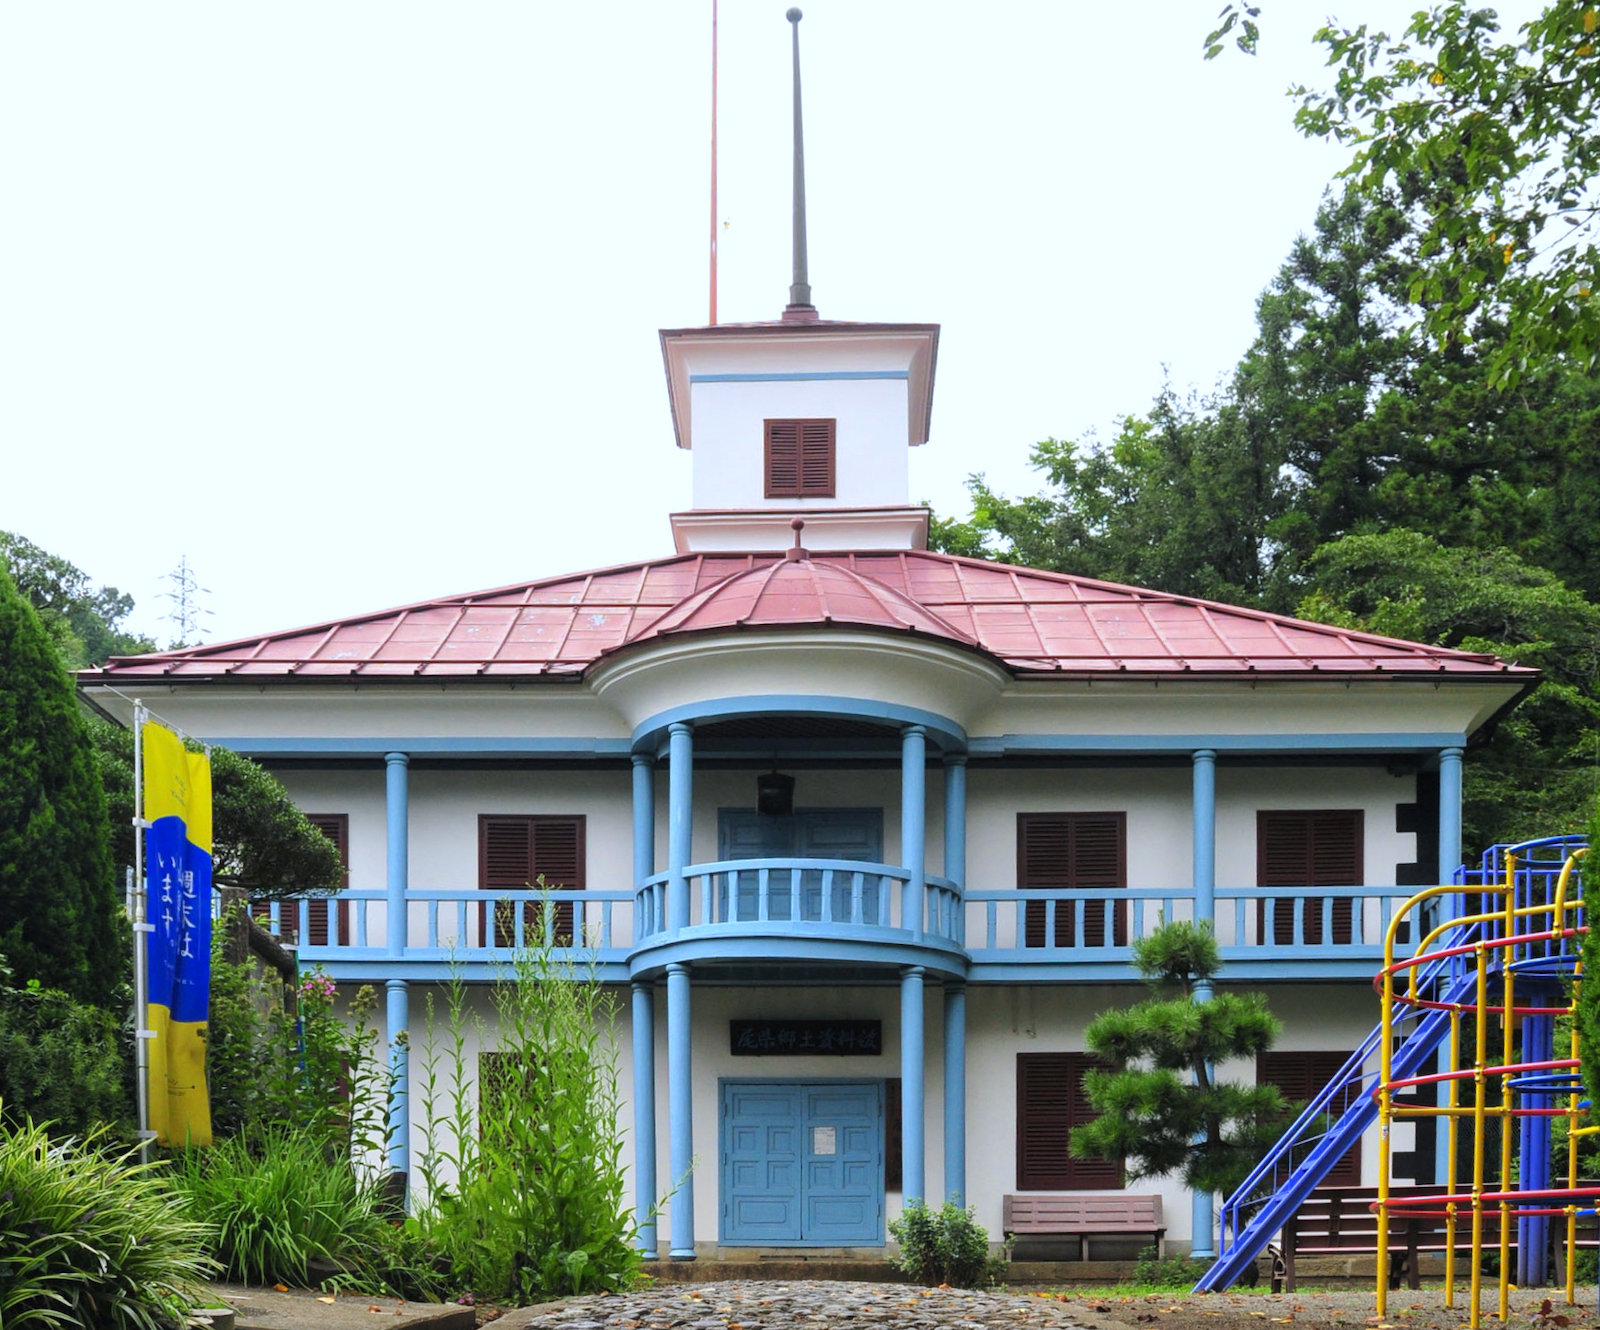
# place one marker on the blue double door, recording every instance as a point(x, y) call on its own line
point(802, 1163)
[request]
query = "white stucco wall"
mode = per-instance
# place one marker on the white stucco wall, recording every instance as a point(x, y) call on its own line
point(1002, 1021)
point(872, 460)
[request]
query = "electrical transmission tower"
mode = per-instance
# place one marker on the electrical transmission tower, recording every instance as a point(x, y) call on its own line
point(186, 609)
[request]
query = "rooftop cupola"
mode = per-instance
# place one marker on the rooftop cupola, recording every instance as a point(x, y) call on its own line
point(801, 416)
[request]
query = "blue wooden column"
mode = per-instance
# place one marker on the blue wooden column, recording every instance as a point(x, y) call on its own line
point(1205, 911)
point(913, 826)
point(1449, 908)
point(397, 814)
point(680, 821)
point(680, 1098)
point(680, 1108)
point(955, 1093)
point(644, 1019)
point(911, 1092)
point(1449, 812)
point(644, 1117)
point(955, 995)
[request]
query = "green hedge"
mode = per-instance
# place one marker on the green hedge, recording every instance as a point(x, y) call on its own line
point(61, 1061)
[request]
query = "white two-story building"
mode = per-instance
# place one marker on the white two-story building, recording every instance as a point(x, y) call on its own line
point(861, 833)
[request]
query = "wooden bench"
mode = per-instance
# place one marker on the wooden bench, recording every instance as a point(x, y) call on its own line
point(1338, 1221)
point(1089, 1215)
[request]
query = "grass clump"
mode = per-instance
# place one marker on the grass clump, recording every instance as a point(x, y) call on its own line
point(89, 1236)
point(281, 1209)
point(1171, 1272)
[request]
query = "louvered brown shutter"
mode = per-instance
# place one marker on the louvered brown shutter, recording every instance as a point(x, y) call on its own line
point(336, 827)
point(1050, 1102)
point(1080, 851)
point(1300, 1077)
point(1309, 848)
point(515, 853)
point(800, 459)
point(893, 1150)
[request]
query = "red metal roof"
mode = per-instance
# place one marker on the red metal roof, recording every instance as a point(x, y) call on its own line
point(1034, 623)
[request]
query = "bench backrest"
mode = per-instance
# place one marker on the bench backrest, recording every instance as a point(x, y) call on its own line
point(1102, 1212)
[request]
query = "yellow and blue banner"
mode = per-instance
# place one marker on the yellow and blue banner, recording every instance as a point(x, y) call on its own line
point(177, 857)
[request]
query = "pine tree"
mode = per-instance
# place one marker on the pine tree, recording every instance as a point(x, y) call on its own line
point(58, 898)
point(1163, 1110)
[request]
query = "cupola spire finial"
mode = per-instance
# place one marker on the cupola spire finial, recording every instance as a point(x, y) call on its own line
point(800, 309)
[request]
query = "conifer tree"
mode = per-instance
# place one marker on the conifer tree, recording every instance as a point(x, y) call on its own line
point(58, 897)
point(1163, 1110)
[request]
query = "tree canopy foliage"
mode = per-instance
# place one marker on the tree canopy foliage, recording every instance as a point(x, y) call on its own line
point(261, 842)
point(84, 621)
point(1487, 139)
point(59, 921)
point(1356, 471)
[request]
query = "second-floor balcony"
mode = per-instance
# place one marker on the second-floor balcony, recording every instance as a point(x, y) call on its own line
point(824, 911)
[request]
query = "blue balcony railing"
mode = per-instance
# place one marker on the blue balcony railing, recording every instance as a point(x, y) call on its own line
point(1261, 931)
point(740, 894)
point(461, 926)
point(1264, 932)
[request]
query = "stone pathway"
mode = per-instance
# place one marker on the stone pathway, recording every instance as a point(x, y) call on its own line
point(740, 1304)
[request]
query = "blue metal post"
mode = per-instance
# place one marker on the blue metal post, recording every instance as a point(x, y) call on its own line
point(1449, 908)
point(644, 1116)
point(911, 1095)
point(680, 1107)
point(397, 1002)
point(1201, 1246)
point(680, 823)
point(913, 826)
point(1533, 1231)
point(955, 1093)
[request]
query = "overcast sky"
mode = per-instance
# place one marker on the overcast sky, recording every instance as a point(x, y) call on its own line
point(355, 304)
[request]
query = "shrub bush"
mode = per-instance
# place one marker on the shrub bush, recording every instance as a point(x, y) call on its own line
point(61, 1060)
point(280, 1209)
point(945, 1246)
point(89, 1236)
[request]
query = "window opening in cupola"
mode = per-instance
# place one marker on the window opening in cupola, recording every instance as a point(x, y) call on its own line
point(800, 458)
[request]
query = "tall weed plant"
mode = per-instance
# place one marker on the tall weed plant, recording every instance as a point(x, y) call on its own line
point(273, 1063)
point(89, 1236)
point(525, 1196)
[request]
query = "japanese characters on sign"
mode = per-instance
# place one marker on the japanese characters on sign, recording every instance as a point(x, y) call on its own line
point(754, 1039)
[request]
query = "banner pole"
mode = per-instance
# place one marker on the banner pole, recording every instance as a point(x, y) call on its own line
point(142, 1034)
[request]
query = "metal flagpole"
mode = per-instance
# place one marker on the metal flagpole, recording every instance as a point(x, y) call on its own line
point(138, 899)
point(713, 161)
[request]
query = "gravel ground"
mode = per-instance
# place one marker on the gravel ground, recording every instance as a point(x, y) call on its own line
point(1343, 1308)
point(825, 1305)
